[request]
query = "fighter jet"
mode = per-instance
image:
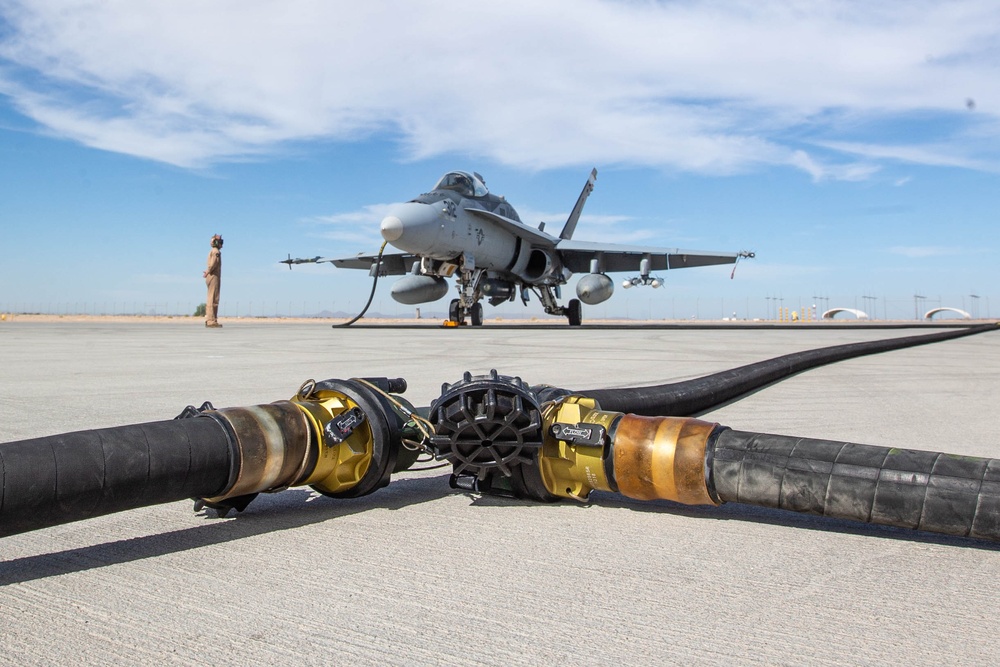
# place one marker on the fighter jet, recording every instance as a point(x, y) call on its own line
point(460, 230)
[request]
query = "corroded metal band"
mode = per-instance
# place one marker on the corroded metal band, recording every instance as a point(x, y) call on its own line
point(662, 458)
point(272, 446)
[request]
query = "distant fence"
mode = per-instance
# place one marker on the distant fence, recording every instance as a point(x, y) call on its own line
point(170, 308)
point(177, 308)
point(635, 305)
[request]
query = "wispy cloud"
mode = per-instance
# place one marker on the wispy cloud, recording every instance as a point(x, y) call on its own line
point(699, 86)
point(531, 216)
point(622, 228)
point(619, 229)
point(936, 155)
point(356, 228)
point(370, 214)
point(925, 251)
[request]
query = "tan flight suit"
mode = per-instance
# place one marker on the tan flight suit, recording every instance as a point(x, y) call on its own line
point(213, 279)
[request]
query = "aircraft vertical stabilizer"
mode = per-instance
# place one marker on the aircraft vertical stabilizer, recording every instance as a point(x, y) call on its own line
point(574, 217)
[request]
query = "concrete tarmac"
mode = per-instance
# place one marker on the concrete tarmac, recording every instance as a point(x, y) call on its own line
point(418, 574)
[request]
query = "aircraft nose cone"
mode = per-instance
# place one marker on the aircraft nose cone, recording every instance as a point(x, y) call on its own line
point(412, 227)
point(391, 228)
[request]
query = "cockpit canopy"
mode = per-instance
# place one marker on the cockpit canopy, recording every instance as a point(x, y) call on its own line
point(467, 185)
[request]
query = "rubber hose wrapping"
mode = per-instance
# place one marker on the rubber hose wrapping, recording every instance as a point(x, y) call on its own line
point(691, 397)
point(62, 478)
point(942, 493)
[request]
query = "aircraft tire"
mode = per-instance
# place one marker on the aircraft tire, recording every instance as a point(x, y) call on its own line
point(455, 311)
point(574, 312)
point(476, 314)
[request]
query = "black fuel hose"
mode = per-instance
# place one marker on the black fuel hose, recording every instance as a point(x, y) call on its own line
point(371, 295)
point(61, 478)
point(941, 493)
point(691, 397)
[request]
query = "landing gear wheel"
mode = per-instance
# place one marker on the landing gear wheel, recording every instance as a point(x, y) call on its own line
point(476, 314)
point(574, 312)
point(455, 312)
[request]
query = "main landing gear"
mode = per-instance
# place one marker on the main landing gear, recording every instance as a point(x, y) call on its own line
point(457, 314)
point(468, 306)
point(573, 309)
point(574, 312)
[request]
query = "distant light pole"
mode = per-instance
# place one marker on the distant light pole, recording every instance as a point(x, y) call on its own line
point(917, 298)
point(872, 299)
point(974, 306)
point(825, 300)
point(768, 299)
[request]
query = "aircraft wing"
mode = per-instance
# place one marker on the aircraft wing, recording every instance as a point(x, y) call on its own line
point(576, 256)
point(393, 263)
point(515, 227)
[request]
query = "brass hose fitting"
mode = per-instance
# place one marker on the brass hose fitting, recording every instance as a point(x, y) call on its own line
point(574, 455)
point(344, 439)
point(646, 458)
point(663, 458)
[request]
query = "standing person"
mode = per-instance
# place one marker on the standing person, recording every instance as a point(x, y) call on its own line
point(213, 279)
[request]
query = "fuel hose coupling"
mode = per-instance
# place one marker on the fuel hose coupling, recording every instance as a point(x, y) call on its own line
point(502, 438)
point(341, 437)
point(646, 458)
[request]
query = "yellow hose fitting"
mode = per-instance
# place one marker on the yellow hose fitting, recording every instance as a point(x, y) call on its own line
point(337, 466)
point(662, 458)
point(572, 457)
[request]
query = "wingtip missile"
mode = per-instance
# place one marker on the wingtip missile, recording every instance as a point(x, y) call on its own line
point(298, 260)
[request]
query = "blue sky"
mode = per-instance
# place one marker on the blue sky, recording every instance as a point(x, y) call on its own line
point(854, 146)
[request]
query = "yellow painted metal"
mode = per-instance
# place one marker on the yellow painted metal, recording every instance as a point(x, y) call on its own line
point(574, 470)
point(340, 466)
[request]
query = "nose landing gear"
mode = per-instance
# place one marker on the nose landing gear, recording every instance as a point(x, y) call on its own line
point(457, 314)
point(467, 305)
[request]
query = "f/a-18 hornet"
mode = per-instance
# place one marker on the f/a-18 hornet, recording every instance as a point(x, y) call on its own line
point(459, 229)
